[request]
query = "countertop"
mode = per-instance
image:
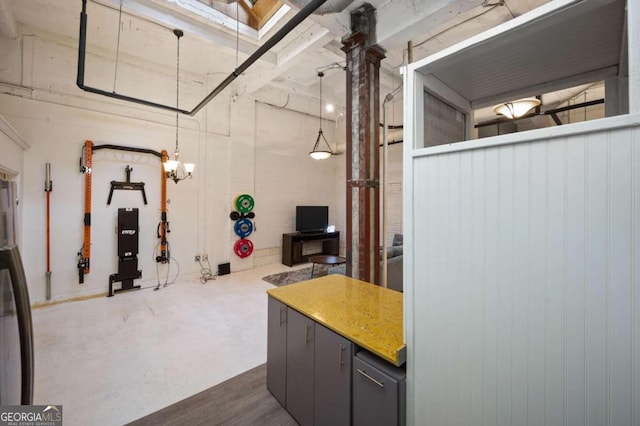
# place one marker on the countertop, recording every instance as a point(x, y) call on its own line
point(368, 315)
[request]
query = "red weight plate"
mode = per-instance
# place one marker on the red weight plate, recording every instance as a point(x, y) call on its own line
point(243, 248)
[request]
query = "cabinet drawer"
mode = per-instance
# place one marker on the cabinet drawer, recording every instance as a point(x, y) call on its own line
point(378, 392)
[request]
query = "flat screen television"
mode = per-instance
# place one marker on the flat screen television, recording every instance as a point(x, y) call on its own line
point(312, 218)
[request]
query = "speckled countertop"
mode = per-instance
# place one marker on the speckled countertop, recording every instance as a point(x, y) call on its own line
point(368, 315)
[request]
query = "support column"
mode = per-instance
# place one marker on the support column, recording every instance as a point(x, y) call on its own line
point(363, 153)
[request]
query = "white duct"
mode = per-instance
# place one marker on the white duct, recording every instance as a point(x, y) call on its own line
point(331, 6)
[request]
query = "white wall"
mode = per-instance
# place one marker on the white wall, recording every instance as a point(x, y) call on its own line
point(523, 307)
point(286, 176)
point(238, 145)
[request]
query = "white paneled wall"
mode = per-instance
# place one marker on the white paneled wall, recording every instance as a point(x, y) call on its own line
point(525, 303)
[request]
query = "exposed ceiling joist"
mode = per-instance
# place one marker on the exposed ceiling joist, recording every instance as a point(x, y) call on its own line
point(399, 24)
point(291, 55)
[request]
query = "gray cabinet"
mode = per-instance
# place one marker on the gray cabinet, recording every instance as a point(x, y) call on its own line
point(277, 349)
point(300, 367)
point(378, 392)
point(332, 387)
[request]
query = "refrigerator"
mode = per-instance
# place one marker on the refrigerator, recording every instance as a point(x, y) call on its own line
point(16, 329)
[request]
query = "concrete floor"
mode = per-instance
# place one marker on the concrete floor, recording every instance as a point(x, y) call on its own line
point(109, 361)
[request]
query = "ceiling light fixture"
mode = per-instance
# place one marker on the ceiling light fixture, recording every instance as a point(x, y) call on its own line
point(318, 153)
point(173, 169)
point(516, 109)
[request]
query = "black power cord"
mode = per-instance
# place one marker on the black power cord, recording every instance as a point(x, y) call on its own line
point(205, 272)
point(168, 261)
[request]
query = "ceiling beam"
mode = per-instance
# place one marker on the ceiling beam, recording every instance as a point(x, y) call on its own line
point(397, 25)
point(314, 36)
point(291, 55)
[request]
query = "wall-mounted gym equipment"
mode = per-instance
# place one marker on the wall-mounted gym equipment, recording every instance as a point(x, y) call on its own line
point(128, 185)
point(86, 167)
point(243, 226)
point(48, 187)
point(128, 231)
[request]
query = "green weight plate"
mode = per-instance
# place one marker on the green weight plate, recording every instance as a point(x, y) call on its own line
point(244, 203)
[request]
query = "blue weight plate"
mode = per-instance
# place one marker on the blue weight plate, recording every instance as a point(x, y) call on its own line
point(243, 227)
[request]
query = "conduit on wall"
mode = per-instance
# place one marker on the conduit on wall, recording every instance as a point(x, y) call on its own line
point(86, 164)
point(279, 35)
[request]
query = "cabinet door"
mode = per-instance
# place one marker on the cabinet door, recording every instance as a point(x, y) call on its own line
point(332, 386)
point(277, 349)
point(300, 359)
point(375, 396)
point(296, 252)
point(287, 250)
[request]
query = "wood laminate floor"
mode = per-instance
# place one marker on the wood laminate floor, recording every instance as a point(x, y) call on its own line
point(241, 400)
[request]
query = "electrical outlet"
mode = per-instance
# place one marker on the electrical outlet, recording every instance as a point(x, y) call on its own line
point(205, 257)
point(197, 258)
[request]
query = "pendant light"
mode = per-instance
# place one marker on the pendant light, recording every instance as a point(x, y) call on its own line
point(173, 169)
point(318, 153)
point(516, 109)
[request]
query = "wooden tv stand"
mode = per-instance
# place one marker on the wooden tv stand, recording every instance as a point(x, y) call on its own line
point(292, 245)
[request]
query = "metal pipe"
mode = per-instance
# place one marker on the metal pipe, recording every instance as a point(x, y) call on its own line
point(286, 29)
point(556, 119)
point(128, 149)
point(279, 35)
point(575, 106)
point(48, 186)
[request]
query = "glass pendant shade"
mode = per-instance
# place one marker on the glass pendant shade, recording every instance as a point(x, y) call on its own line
point(320, 155)
point(516, 109)
point(170, 166)
point(189, 167)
